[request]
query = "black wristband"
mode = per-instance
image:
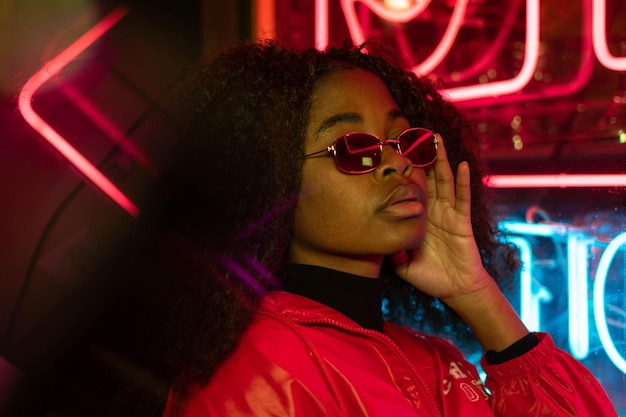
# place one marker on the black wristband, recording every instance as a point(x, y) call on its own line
point(525, 344)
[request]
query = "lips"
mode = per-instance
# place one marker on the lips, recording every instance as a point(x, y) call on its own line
point(405, 201)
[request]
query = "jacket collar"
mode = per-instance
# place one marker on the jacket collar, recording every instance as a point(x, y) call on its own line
point(304, 310)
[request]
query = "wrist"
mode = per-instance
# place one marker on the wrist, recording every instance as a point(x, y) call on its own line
point(525, 344)
point(492, 319)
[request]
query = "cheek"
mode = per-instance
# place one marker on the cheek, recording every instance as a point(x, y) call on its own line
point(317, 200)
point(327, 203)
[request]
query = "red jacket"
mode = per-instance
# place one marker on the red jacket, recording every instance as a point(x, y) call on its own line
point(301, 358)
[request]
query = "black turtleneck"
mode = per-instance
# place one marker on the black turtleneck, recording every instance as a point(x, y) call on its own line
point(354, 296)
point(360, 299)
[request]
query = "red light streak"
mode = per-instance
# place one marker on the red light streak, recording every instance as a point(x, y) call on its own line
point(556, 181)
point(600, 46)
point(48, 71)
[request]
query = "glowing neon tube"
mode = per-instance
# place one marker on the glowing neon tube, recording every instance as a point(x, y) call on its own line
point(556, 180)
point(49, 70)
point(403, 16)
point(535, 229)
point(516, 83)
point(106, 125)
point(579, 246)
point(489, 55)
point(464, 93)
point(577, 283)
point(321, 24)
point(396, 16)
point(583, 75)
point(530, 313)
point(444, 46)
point(598, 302)
point(600, 45)
point(265, 19)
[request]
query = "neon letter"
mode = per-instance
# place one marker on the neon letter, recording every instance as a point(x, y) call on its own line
point(532, 293)
point(577, 276)
point(598, 302)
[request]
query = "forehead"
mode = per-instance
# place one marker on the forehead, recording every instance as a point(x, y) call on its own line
point(350, 96)
point(350, 87)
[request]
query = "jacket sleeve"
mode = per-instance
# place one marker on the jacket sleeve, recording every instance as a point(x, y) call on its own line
point(545, 381)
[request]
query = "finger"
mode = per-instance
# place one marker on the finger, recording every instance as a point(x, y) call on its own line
point(463, 189)
point(440, 178)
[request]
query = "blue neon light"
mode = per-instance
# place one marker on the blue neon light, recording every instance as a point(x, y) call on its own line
point(579, 246)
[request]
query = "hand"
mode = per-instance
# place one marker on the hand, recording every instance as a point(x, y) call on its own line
point(448, 264)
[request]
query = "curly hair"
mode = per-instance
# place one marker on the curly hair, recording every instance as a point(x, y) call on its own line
point(238, 124)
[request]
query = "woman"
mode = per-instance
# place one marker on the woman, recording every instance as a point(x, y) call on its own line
point(318, 175)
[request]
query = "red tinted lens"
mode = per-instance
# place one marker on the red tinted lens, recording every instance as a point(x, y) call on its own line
point(418, 145)
point(357, 152)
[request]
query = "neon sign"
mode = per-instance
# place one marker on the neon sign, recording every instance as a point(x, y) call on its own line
point(51, 69)
point(578, 248)
point(594, 28)
point(496, 88)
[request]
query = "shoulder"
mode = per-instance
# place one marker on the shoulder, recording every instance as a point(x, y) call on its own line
point(270, 362)
point(282, 334)
point(273, 332)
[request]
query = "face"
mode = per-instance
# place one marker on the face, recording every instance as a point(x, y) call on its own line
point(350, 222)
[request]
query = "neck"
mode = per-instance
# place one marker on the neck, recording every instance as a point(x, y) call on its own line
point(364, 266)
point(356, 297)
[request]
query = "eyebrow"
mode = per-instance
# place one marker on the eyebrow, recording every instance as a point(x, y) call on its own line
point(353, 117)
point(337, 119)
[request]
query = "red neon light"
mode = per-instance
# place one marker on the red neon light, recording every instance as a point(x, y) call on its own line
point(396, 16)
point(265, 19)
point(555, 181)
point(600, 46)
point(493, 89)
point(49, 70)
point(515, 84)
point(321, 24)
point(583, 74)
point(442, 49)
point(106, 125)
point(488, 56)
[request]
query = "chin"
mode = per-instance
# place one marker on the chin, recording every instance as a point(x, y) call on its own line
point(408, 243)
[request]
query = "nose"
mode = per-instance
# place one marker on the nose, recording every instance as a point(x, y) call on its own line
point(392, 161)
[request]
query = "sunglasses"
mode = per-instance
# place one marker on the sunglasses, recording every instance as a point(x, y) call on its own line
point(358, 153)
